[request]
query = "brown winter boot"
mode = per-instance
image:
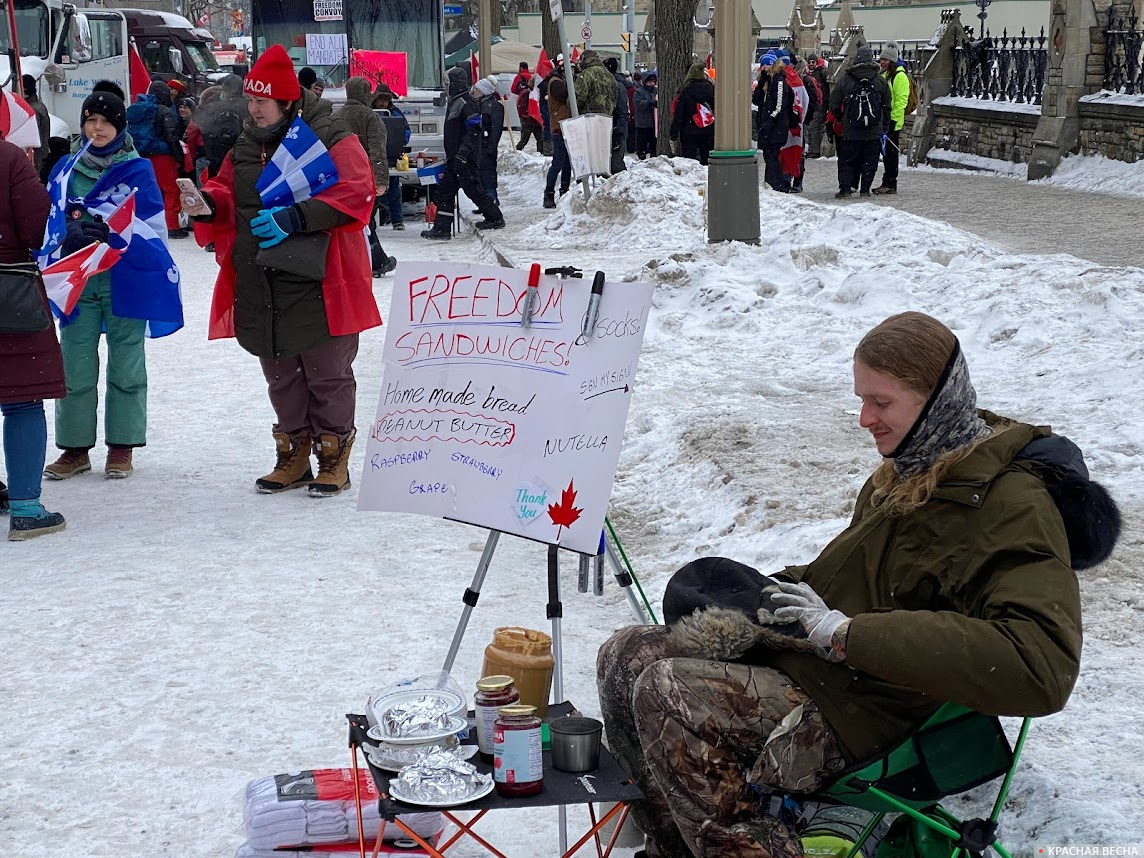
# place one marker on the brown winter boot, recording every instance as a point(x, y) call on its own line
point(73, 461)
point(333, 465)
point(291, 471)
point(118, 465)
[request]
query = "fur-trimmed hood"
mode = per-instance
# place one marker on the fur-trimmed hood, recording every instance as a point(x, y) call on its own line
point(1092, 518)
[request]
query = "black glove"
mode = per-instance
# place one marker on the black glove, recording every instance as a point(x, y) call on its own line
point(81, 233)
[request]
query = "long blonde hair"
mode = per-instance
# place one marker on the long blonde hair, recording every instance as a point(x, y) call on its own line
point(914, 349)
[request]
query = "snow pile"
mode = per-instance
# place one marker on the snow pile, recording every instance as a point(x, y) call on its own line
point(977, 163)
point(1100, 174)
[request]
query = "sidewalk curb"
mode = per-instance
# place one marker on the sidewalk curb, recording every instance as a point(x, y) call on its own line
point(485, 241)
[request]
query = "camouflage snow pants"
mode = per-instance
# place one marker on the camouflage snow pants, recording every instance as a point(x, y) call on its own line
point(699, 736)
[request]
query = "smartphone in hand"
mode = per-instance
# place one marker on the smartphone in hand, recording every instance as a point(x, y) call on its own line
point(191, 198)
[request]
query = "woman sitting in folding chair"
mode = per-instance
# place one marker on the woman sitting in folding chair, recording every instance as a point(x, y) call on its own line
point(953, 583)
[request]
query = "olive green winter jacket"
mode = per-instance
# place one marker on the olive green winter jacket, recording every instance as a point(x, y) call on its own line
point(595, 88)
point(969, 599)
point(278, 313)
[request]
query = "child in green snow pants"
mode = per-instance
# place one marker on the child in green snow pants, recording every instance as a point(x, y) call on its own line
point(125, 408)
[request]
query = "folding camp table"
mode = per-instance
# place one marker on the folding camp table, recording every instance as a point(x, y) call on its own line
point(607, 783)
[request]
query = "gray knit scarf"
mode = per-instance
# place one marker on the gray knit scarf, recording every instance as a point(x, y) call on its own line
point(949, 420)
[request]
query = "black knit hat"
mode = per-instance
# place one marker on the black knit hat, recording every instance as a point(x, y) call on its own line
point(107, 105)
point(109, 86)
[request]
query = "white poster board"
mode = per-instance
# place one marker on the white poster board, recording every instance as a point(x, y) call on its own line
point(486, 421)
point(326, 49)
point(327, 10)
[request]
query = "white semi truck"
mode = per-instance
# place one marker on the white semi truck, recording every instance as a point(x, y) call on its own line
point(67, 49)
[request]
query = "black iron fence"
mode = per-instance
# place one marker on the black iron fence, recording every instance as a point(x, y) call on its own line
point(1000, 68)
point(1124, 55)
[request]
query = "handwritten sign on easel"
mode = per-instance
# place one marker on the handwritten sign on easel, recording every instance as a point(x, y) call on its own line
point(485, 421)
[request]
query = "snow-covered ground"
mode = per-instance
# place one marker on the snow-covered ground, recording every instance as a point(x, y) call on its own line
point(185, 635)
point(1076, 172)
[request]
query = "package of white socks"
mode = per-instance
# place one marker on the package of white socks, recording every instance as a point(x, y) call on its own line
point(316, 808)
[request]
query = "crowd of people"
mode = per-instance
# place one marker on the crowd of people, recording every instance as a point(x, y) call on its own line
point(303, 325)
point(294, 284)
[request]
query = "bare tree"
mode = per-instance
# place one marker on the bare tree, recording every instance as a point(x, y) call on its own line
point(549, 35)
point(674, 34)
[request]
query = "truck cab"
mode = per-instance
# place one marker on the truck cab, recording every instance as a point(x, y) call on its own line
point(173, 49)
point(68, 49)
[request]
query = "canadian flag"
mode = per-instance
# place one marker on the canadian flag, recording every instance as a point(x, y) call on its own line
point(575, 55)
point(18, 122)
point(543, 65)
point(64, 280)
point(534, 105)
point(205, 20)
point(137, 72)
point(475, 66)
point(703, 116)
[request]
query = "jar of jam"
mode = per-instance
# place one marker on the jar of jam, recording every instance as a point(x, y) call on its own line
point(492, 693)
point(518, 767)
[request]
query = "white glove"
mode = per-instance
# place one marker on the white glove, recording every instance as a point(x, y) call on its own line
point(801, 603)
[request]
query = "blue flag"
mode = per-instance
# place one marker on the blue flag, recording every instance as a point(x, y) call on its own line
point(300, 168)
point(57, 217)
point(145, 281)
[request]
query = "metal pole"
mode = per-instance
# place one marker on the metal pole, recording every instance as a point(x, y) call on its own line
point(14, 41)
point(625, 582)
point(558, 14)
point(732, 178)
point(485, 36)
point(630, 27)
point(470, 598)
point(555, 612)
point(588, 23)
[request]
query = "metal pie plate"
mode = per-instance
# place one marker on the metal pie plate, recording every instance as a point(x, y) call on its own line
point(456, 725)
point(378, 757)
point(394, 792)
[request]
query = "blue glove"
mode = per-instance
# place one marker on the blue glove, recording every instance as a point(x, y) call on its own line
point(885, 137)
point(473, 121)
point(81, 233)
point(274, 225)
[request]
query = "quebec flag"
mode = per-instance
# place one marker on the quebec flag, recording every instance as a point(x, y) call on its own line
point(145, 280)
point(300, 168)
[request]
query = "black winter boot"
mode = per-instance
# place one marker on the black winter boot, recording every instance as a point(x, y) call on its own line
point(550, 199)
point(442, 227)
point(494, 219)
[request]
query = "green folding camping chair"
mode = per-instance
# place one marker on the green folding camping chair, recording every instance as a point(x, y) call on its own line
point(955, 750)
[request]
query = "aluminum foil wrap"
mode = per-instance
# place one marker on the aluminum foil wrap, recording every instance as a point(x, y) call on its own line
point(396, 756)
point(438, 776)
point(424, 716)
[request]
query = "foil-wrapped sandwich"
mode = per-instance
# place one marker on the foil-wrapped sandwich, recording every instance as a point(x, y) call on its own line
point(439, 777)
point(423, 716)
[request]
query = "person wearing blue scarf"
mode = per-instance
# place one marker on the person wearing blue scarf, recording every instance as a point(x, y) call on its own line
point(125, 402)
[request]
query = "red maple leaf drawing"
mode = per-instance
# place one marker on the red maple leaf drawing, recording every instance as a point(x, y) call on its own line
point(563, 514)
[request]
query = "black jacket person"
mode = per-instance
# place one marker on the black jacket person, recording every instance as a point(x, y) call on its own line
point(463, 134)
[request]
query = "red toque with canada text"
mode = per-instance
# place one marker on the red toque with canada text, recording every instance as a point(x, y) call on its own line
point(273, 76)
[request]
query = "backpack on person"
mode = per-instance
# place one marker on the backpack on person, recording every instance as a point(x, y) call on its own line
point(912, 101)
point(224, 131)
point(863, 105)
point(143, 120)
